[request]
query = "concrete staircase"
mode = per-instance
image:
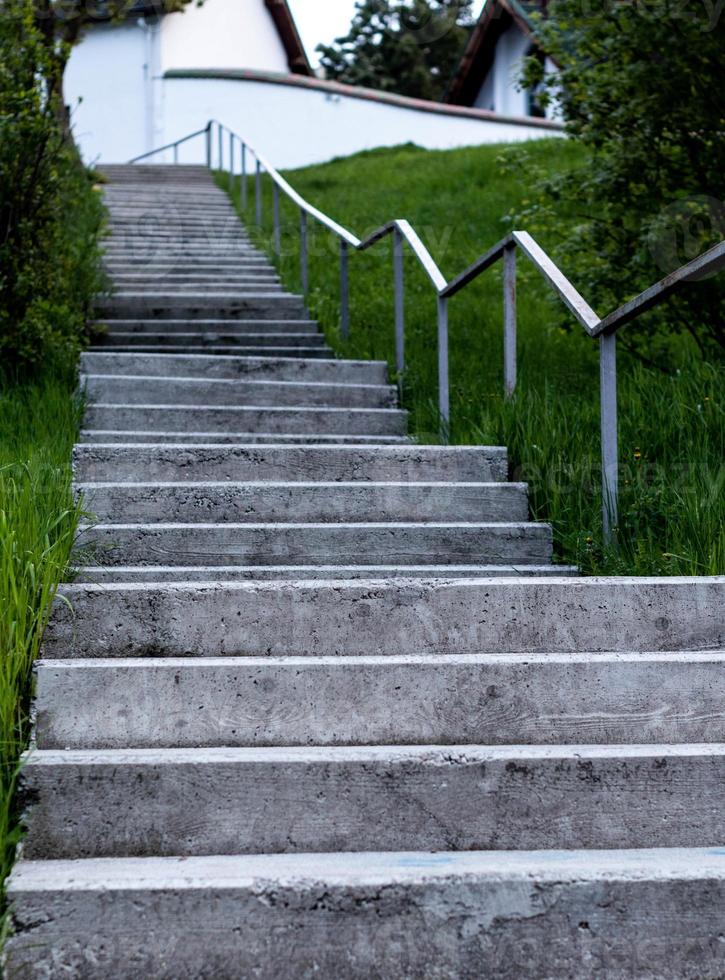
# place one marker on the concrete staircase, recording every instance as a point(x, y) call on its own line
point(318, 704)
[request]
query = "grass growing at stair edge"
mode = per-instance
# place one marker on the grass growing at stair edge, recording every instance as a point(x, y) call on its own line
point(39, 424)
point(672, 426)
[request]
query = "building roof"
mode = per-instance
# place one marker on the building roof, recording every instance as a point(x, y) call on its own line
point(496, 17)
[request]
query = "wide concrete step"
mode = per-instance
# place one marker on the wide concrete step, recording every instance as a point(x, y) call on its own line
point(229, 393)
point(276, 369)
point(248, 573)
point(421, 617)
point(252, 285)
point(236, 349)
point(180, 264)
point(484, 699)
point(327, 544)
point(208, 327)
point(183, 802)
point(205, 341)
point(512, 915)
point(242, 463)
point(231, 437)
point(298, 502)
point(178, 305)
point(209, 418)
point(191, 280)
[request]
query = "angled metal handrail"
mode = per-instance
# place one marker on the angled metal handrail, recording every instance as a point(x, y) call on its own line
point(602, 329)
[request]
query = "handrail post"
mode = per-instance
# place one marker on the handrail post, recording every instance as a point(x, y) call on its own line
point(344, 291)
point(610, 442)
point(444, 407)
point(176, 154)
point(398, 275)
point(258, 192)
point(231, 161)
point(208, 144)
point(277, 229)
point(509, 319)
point(304, 270)
point(244, 177)
point(220, 137)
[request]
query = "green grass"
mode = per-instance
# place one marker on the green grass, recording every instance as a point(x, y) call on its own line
point(39, 423)
point(672, 426)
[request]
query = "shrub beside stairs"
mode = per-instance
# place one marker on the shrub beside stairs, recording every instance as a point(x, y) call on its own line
point(324, 707)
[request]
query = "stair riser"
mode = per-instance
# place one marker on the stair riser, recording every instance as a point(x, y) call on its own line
point(270, 307)
point(232, 438)
point(414, 464)
point(209, 328)
point(282, 619)
point(355, 372)
point(205, 341)
point(442, 925)
point(152, 289)
point(108, 389)
point(325, 503)
point(485, 700)
point(363, 800)
point(223, 420)
point(280, 544)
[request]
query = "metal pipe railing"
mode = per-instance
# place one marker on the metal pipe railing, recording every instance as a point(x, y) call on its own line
point(605, 330)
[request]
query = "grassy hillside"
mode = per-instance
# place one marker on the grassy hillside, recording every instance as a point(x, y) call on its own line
point(672, 426)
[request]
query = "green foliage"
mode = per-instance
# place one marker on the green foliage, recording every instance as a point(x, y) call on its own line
point(641, 88)
point(411, 47)
point(38, 519)
point(50, 216)
point(672, 424)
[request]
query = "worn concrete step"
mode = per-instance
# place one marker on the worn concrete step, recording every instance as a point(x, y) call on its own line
point(241, 463)
point(183, 802)
point(191, 279)
point(228, 393)
point(298, 502)
point(195, 366)
point(178, 263)
point(247, 573)
point(178, 305)
point(329, 544)
point(437, 617)
point(206, 418)
point(241, 349)
point(252, 285)
point(510, 915)
point(484, 699)
point(231, 437)
point(208, 327)
point(297, 340)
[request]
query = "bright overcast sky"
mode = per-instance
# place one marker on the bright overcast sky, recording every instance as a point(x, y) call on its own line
point(321, 21)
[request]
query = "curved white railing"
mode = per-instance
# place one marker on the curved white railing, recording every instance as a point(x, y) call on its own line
point(604, 329)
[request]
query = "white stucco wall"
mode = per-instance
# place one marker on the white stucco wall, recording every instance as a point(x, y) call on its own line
point(499, 91)
point(110, 86)
point(222, 34)
point(293, 126)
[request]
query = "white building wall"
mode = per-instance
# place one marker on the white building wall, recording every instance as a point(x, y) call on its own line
point(109, 86)
point(499, 91)
point(222, 34)
point(294, 126)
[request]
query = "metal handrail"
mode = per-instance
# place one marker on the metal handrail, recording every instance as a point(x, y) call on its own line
point(602, 329)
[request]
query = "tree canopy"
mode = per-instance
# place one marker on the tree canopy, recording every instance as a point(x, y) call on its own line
point(411, 47)
point(641, 87)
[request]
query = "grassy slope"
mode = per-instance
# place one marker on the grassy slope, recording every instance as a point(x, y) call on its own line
point(38, 426)
point(672, 428)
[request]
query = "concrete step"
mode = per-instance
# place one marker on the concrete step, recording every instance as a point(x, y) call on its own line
point(229, 393)
point(484, 699)
point(190, 802)
point(327, 544)
point(177, 305)
point(242, 463)
point(422, 617)
point(220, 338)
point(206, 418)
point(213, 439)
point(181, 265)
point(195, 366)
point(240, 349)
point(190, 279)
point(208, 327)
point(300, 502)
point(255, 284)
point(247, 573)
point(510, 915)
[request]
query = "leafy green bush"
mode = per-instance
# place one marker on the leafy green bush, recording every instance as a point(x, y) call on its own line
point(50, 215)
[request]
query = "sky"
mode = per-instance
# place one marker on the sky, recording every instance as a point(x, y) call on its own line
point(321, 21)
